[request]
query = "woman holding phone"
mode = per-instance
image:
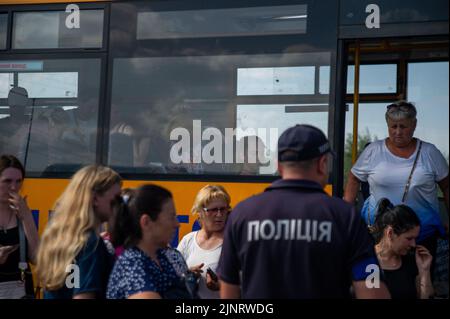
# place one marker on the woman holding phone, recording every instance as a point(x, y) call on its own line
point(202, 248)
point(15, 218)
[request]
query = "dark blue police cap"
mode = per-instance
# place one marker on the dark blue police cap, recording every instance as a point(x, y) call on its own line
point(304, 142)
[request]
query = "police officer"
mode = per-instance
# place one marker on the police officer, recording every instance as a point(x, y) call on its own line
point(294, 240)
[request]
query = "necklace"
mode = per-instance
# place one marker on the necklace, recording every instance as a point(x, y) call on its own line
point(4, 228)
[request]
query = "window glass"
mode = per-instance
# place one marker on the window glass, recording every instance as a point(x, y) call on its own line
point(50, 120)
point(159, 103)
point(276, 81)
point(373, 78)
point(50, 84)
point(6, 82)
point(3, 30)
point(371, 127)
point(428, 90)
point(222, 22)
point(55, 32)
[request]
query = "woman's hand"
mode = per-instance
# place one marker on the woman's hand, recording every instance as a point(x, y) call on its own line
point(423, 259)
point(19, 205)
point(211, 283)
point(5, 251)
point(197, 270)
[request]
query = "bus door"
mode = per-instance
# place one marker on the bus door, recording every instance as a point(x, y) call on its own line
point(382, 71)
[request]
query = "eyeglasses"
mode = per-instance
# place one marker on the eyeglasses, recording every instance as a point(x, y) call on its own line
point(216, 210)
point(402, 106)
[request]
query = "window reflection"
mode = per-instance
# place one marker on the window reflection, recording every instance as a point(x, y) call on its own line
point(157, 101)
point(3, 30)
point(52, 126)
point(53, 32)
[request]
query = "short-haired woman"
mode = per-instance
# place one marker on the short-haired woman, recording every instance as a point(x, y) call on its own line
point(405, 170)
point(202, 248)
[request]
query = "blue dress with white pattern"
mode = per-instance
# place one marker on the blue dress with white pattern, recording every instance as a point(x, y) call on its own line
point(135, 272)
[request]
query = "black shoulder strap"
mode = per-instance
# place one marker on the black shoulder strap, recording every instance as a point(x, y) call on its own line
point(408, 183)
point(23, 250)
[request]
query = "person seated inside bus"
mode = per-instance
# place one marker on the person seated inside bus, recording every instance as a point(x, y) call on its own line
point(129, 146)
point(75, 133)
point(21, 133)
point(14, 128)
point(250, 155)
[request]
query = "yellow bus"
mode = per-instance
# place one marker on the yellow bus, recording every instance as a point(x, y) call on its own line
point(168, 91)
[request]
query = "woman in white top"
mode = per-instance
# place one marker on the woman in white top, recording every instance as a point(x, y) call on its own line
point(387, 164)
point(202, 248)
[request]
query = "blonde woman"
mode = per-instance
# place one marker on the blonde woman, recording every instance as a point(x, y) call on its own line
point(71, 243)
point(202, 248)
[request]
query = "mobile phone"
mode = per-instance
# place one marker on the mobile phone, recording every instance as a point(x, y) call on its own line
point(212, 274)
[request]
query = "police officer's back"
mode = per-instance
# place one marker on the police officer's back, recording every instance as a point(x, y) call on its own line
point(294, 240)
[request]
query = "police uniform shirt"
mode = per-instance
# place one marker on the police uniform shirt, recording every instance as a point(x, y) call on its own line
point(295, 241)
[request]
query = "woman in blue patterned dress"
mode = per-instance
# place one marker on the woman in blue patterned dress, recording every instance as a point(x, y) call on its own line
point(147, 269)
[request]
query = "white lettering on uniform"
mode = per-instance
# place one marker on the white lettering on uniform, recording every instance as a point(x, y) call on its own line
point(254, 225)
point(307, 234)
point(292, 236)
point(271, 225)
point(306, 230)
point(280, 223)
point(325, 231)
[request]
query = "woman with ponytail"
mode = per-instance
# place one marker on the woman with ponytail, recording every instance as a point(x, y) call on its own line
point(405, 265)
point(148, 268)
point(72, 260)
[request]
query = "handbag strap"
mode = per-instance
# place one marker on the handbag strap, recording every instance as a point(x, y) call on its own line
point(408, 183)
point(23, 265)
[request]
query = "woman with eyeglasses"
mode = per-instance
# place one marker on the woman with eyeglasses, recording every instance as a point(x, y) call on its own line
point(404, 169)
point(405, 265)
point(201, 249)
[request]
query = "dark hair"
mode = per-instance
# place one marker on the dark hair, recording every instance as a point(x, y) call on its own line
point(7, 161)
point(401, 218)
point(147, 199)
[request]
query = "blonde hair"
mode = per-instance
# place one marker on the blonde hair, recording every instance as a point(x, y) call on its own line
point(73, 218)
point(206, 195)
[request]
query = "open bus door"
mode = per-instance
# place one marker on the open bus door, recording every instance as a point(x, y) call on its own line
point(382, 71)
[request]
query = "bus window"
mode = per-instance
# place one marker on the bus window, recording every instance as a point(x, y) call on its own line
point(54, 33)
point(275, 81)
point(3, 30)
point(222, 22)
point(54, 123)
point(50, 84)
point(371, 126)
point(428, 90)
point(6, 81)
point(156, 98)
point(374, 78)
point(260, 119)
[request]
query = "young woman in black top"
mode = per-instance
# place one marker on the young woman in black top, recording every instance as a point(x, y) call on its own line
point(405, 265)
point(14, 211)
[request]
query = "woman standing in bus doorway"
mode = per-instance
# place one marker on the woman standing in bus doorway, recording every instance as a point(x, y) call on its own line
point(15, 219)
point(148, 268)
point(406, 267)
point(405, 170)
point(202, 248)
point(72, 260)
